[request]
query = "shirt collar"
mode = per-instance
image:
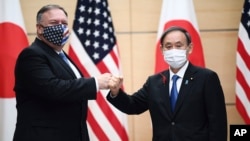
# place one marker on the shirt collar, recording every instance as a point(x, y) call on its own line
point(181, 72)
point(59, 51)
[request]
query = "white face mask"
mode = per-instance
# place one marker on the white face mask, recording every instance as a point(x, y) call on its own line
point(176, 58)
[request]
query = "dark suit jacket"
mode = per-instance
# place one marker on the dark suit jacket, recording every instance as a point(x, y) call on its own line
point(51, 101)
point(200, 113)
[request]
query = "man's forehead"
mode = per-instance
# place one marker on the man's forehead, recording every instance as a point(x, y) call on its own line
point(54, 15)
point(175, 36)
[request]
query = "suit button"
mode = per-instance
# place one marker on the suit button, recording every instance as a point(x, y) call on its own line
point(173, 123)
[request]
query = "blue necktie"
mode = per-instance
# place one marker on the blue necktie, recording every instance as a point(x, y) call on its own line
point(62, 55)
point(174, 92)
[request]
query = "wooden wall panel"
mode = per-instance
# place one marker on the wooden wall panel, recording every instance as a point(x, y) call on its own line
point(31, 38)
point(30, 8)
point(136, 24)
point(233, 115)
point(124, 46)
point(121, 15)
point(145, 15)
point(143, 53)
point(220, 53)
point(142, 128)
point(218, 14)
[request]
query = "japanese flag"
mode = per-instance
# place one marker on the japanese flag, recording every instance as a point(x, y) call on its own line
point(179, 13)
point(13, 39)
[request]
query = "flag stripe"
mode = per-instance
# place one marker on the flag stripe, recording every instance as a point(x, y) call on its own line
point(105, 122)
point(112, 117)
point(243, 54)
point(111, 62)
point(114, 56)
point(79, 60)
point(105, 108)
point(242, 68)
point(242, 83)
point(94, 49)
point(76, 60)
point(243, 37)
point(243, 65)
point(97, 129)
point(94, 125)
point(243, 100)
point(242, 110)
point(102, 67)
point(91, 133)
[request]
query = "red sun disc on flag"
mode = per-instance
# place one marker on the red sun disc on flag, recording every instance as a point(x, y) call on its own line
point(13, 40)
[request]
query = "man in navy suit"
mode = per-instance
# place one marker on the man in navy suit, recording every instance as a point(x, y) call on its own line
point(51, 93)
point(191, 108)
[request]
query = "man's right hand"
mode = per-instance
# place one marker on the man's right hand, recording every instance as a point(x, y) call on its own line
point(115, 84)
point(103, 80)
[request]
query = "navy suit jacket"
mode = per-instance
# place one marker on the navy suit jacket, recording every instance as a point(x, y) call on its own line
point(200, 113)
point(51, 101)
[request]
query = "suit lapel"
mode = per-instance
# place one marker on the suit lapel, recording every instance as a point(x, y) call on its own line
point(165, 91)
point(55, 56)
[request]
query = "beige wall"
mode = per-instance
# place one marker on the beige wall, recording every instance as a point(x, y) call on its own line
point(136, 24)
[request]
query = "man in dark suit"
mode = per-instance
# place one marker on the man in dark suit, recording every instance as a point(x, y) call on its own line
point(51, 93)
point(189, 108)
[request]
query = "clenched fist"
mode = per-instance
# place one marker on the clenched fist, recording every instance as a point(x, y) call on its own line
point(103, 80)
point(115, 84)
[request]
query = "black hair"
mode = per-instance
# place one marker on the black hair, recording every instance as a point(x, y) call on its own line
point(176, 28)
point(47, 8)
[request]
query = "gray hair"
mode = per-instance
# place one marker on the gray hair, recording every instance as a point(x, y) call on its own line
point(47, 8)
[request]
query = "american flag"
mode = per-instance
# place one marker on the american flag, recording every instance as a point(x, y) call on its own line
point(243, 65)
point(94, 48)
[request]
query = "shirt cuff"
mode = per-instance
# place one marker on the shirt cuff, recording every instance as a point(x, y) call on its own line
point(96, 84)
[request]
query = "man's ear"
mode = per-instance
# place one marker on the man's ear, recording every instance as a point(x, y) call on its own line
point(39, 29)
point(190, 48)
